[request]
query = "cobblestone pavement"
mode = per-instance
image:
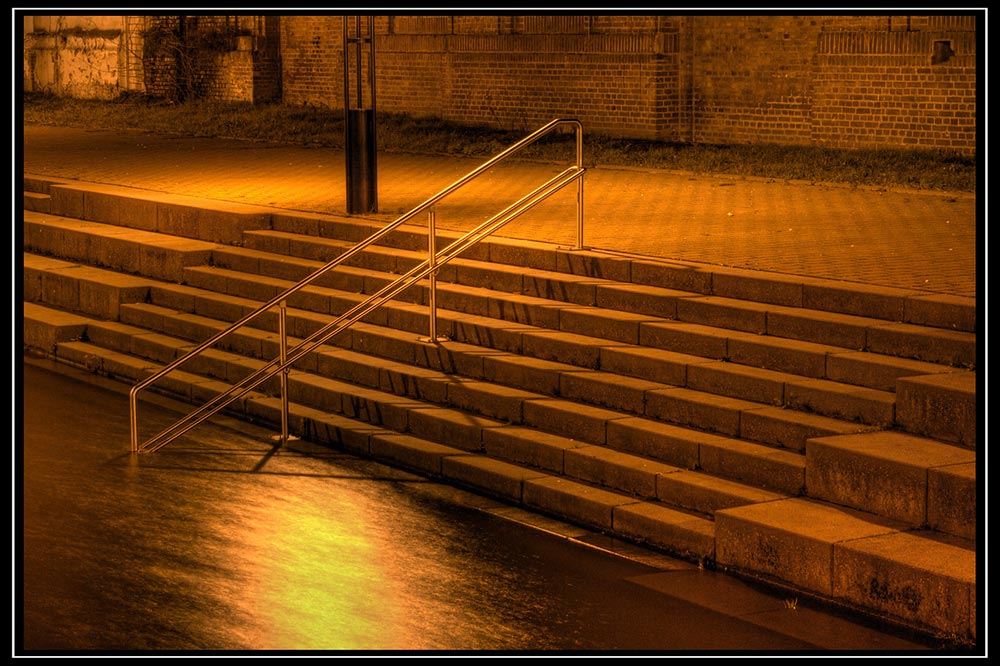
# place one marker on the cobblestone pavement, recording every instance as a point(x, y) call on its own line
point(908, 239)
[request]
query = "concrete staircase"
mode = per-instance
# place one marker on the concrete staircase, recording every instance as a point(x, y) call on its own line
point(817, 435)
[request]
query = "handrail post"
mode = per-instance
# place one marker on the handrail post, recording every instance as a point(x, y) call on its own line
point(283, 378)
point(432, 335)
point(579, 188)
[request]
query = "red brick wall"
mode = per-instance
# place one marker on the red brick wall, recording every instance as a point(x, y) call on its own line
point(884, 89)
point(840, 81)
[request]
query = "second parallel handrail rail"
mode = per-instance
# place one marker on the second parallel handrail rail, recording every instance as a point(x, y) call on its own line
point(427, 268)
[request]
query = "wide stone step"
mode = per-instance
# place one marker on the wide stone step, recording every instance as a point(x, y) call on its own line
point(225, 222)
point(81, 288)
point(135, 251)
point(683, 406)
point(625, 318)
point(854, 558)
point(737, 418)
point(182, 216)
point(915, 480)
point(755, 463)
point(868, 406)
point(904, 305)
point(848, 331)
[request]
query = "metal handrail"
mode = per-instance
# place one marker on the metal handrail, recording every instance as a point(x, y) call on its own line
point(428, 267)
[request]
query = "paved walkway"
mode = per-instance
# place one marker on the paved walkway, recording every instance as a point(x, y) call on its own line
point(908, 239)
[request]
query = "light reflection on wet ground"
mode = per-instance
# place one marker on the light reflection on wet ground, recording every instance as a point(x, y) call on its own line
point(226, 543)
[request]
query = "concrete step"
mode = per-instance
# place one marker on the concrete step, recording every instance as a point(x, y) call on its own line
point(751, 462)
point(866, 406)
point(225, 222)
point(134, 251)
point(797, 322)
point(914, 480)
point(606, 389)
point(922, 308)
point(187, 217)
point(854, 558)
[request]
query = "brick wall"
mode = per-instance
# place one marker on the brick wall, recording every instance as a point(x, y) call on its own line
point(889, 89)
point(840, 81)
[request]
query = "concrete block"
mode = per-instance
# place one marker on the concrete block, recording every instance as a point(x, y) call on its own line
point(418, 383)
point(671, 444)
point(707, 494)
point(593, 264)
point(957, 313)
point(44, 328)
point(36, 201)
point(486, 276)
point(486, 333)
point(683, 406)
point(656, 365)
point(690, 277)
point(379, 408)
point(758, 286)
point(738, 381)
point(412, 453)
point(616, 470)
point(125, 251)
point(806, 359)
point(721, 312)
point(450, 427)
point(843, 401)
point(683, 337)
point(827, 328)
point(101, 293)
point(343, 228)
point(559, 287)
point(521, 310)
point(532, 374)
point(571, 348)
point(497, 402)
point(137, 213)
point(101, 206)
point(526, 446)
point(568, 419)
point(876, 371)
point(61, 289)
point(677, 532)
point(790, 429)
point(885, 473)
point(604, 389)
point(942, 406)
point(113, 335)
point(761, 466)
point(640, 299)
point(454, 358)
point(916, 577)
point(576, 502)
point(493, 477)
point(612, 325)
point(371, 340)
point(952, 497)
point(957, 348)
point(791, 540)
point(67, 201)
point(521, 253)
point(855, 299)
point(82, 355)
